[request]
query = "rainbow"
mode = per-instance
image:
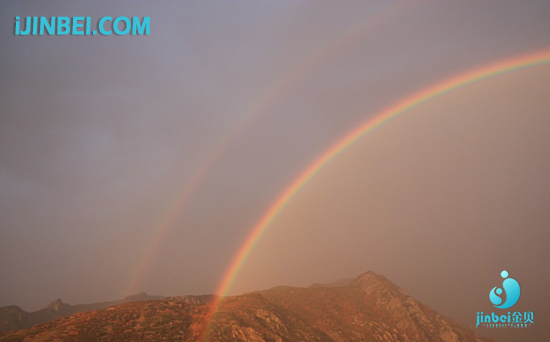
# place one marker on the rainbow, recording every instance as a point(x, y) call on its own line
point(177, 207)
point(394, 111)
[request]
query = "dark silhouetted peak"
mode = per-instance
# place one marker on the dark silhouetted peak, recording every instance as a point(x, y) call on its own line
point(11, 308)
point(57, 305)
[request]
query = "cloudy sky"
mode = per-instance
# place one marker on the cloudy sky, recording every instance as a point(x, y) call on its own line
point(133, 164)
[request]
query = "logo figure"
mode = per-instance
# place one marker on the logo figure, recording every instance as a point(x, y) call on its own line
point(512, 290)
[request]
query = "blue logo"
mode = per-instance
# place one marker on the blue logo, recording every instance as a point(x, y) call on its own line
point(512, 290)
point(505, 319)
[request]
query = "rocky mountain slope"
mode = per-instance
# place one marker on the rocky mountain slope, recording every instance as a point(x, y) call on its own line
point(14, 318)
point(370, 308)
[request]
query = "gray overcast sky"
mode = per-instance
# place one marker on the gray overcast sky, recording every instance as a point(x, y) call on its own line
point(99, 135)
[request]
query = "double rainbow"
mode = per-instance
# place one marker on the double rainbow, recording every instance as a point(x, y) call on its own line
point(394, 111)
point(277, 90)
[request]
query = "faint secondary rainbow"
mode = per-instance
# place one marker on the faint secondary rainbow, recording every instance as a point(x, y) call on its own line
point(449, 85)
point(169, 217)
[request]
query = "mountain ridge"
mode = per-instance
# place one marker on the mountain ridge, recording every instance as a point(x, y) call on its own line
point(370, 308)
point(13, 317)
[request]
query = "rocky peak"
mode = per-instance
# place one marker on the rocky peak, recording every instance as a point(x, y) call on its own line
point(372, 283)
point(56, 305)
point(369, 276)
